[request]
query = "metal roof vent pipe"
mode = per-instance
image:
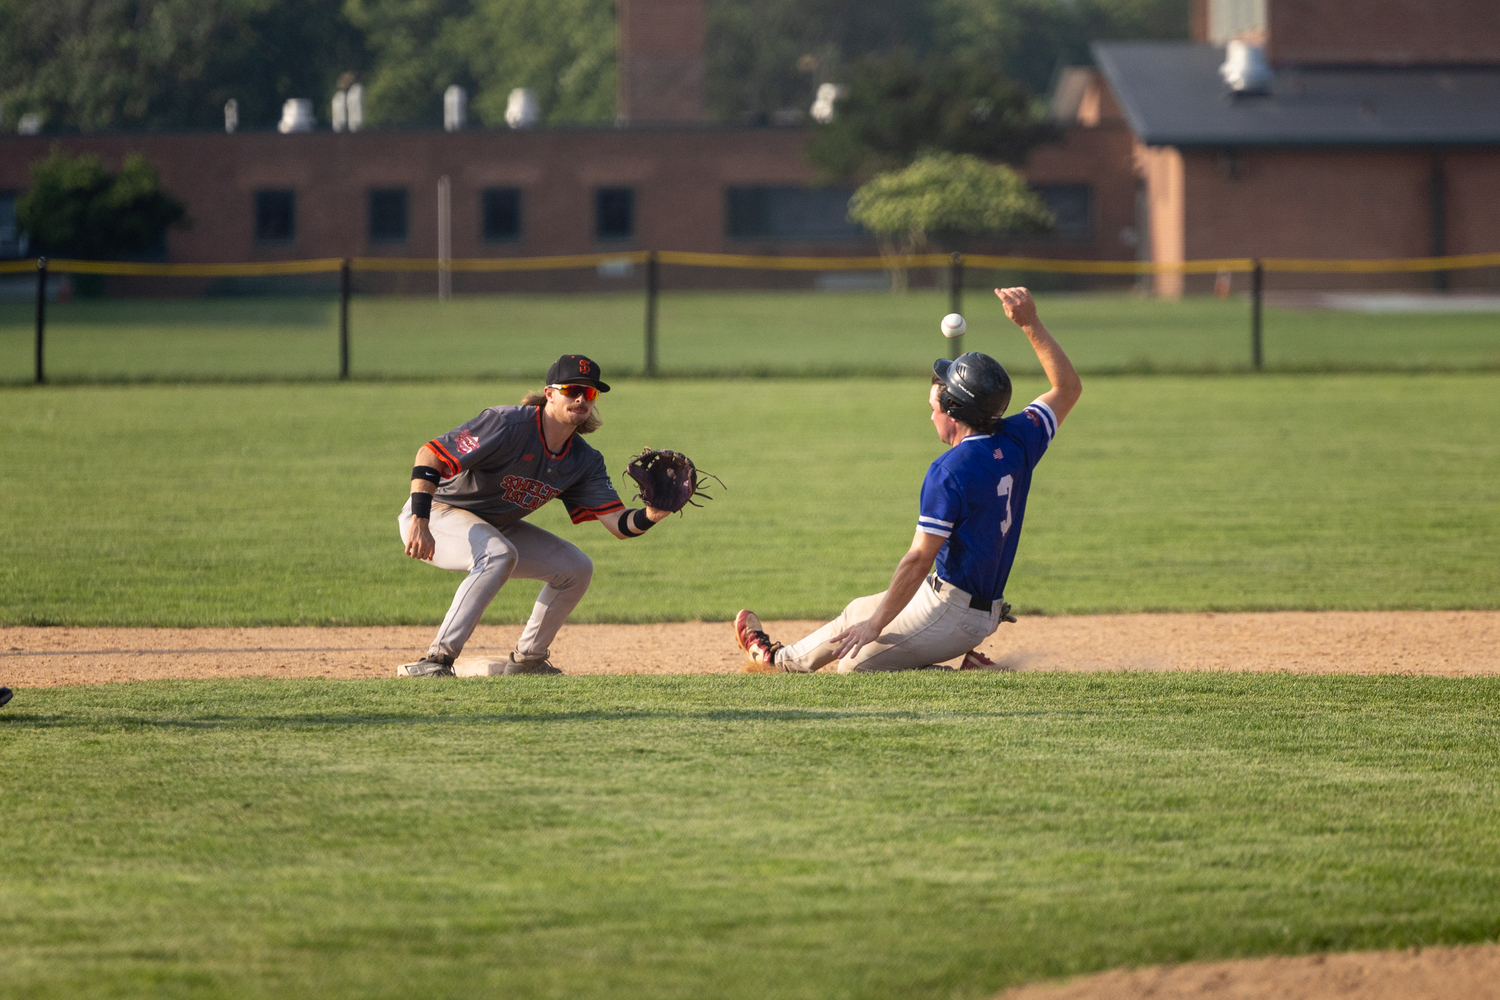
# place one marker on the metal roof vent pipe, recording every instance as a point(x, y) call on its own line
point(455, 108)
point(828, 96)
point(1245, 69)
point(354, 107)
point(296, 116)
point(522, 109)
point(231, 115)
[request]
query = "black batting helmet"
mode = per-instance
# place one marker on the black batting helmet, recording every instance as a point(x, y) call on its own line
point(976, 389)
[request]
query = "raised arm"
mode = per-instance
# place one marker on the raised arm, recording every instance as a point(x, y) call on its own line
point(1066, 385)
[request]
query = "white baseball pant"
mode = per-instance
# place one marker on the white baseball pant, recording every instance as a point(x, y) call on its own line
point(933, 627)
point(467, 543)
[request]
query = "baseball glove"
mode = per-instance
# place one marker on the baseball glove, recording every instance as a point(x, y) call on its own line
point(668, 480)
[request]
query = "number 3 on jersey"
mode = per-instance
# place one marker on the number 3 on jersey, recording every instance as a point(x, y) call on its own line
point(1006, 483)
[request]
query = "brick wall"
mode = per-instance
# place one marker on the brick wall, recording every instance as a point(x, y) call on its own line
point(678, 175)
point(1326, 203)
point(661, 63)
point(1383, 32)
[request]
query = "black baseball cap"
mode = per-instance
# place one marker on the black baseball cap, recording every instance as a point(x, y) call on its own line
point(575, 369)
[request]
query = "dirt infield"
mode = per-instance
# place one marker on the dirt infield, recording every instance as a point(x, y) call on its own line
point(1415, 974)
point(1435, 643)
point(1438, 643)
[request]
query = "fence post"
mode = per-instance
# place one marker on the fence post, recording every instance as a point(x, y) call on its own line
point(344, 283)
point(1257, 287)
point(956, 296)
point(652, 287)
point(41, 319)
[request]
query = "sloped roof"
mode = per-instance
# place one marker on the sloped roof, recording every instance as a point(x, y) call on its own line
point(1173, 96)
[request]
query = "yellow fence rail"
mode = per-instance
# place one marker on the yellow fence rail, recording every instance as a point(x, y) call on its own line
point(329, 265)
point(1257, 268)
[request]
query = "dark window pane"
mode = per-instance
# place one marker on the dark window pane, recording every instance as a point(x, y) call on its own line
point(10, 228)
point(789, 213)
point(1073, 205)
point(275, 216)
point(388, 215)
point(614, 213)
point(501, 208)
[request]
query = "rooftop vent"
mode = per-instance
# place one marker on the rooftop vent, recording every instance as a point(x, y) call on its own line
point(522, 109)
point(455, 108)
point(354, 107)
point(1245, 69)
point(828, 95)
point(231, 115)
point(296, 116)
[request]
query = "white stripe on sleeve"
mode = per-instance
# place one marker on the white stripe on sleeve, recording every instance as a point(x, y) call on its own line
point(928, 529)
point(1049, 419)
point(924, 519)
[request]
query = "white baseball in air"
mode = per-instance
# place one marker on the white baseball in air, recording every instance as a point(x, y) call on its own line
point(953, 326)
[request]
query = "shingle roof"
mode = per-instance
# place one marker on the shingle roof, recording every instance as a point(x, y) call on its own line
point(1173, 96)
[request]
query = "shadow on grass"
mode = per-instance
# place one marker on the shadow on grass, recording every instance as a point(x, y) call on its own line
point(320, 720)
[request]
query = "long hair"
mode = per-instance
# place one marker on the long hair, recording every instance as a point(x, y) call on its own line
point(589, 426)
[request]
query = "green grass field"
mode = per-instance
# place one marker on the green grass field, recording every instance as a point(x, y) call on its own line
point(746, 333)
point(241, 505)
point(844, 837)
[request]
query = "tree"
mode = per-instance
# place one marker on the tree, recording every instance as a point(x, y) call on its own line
point(898, 107)
point(77, 208)
point(942, 194)
point(169, 64)
point(562, 49)
point(767, 57)
point(1031, 40)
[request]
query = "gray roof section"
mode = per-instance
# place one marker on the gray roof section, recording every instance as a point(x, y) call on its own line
point(1173, 95)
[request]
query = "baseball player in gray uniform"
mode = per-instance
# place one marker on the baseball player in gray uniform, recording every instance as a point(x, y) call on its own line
point(471, 490)
point(972, 506)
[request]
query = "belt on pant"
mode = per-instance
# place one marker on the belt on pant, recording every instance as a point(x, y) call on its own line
point(977, 603)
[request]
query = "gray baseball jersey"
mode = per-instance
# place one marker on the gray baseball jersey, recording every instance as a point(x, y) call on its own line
point(498, 466)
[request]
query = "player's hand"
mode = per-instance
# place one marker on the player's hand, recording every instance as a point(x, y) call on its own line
point(655, 515)
point(854, 638)
point(1018, 305)
point(419, 542)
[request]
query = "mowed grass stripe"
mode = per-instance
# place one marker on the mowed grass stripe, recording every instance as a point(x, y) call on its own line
point(276, 504)
point(704, 334)
point(918, 836)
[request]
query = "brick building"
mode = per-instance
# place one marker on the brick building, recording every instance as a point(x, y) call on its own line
point(1361, 128)
point(661, 178)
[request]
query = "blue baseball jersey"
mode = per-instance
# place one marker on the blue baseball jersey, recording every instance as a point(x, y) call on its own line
point(975, 497)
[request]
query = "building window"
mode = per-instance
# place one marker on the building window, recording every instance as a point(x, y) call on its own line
point(1073, 207)
point(501, 211)
point(789, 213)
point(13, 242)
point(275, 216)
point(614, 213)
point(388, 215)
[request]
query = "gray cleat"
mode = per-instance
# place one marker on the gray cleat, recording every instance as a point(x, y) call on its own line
point(537, 666)
point(427, 667)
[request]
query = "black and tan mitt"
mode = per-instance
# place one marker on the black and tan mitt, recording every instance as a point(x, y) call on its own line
point(668, 480)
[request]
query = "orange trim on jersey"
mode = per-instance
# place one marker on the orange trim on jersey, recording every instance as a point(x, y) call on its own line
point(542, 436)
point(594, 513)
point(453, 468)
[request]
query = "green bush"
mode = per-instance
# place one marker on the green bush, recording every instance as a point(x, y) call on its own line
point(76, 207)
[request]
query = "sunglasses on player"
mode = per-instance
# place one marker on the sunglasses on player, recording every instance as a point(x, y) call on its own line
point(588, 392)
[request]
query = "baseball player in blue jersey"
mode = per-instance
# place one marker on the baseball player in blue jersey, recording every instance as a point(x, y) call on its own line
point(471, 489)
point(972, 506)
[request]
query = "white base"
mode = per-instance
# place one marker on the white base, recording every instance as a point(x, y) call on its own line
point(478, 666)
